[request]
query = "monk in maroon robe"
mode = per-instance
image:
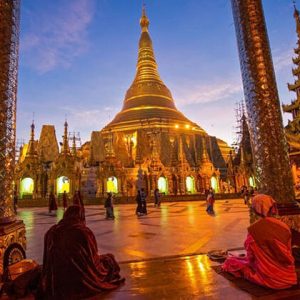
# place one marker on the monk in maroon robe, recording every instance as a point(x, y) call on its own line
point(52, 203)
point(72, 267)
point(269, 261)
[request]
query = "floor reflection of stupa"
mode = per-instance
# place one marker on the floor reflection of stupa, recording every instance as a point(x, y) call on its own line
point(148, 144)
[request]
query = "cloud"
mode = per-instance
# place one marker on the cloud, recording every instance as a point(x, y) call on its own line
point(57, 35)
point(208, 92)
point(92, 119)
point(283, 59)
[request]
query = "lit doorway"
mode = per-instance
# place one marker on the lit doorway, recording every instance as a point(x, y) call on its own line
point(63, 185)
point(26, 187)
point(112, 185)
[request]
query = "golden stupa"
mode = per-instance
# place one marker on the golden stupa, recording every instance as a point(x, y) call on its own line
point(148, 144)
point(150, 138)
point(148, 98)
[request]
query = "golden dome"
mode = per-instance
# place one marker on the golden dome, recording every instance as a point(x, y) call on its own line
point(148, 97)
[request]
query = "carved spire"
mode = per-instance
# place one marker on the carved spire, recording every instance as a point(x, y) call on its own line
point(65, 146)
point(31, 147)
point(74, 151)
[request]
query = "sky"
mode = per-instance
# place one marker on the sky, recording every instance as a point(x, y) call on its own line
point(78, 58)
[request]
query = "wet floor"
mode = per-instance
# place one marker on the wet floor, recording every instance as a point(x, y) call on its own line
point(156, 250)
point(176, 228)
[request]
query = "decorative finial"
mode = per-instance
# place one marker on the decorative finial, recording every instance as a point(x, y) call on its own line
point(144, 21)
point(32, 127)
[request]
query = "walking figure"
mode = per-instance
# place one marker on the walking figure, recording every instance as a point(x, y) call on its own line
point(144, 202)
point(52, 203)
point(109, 207)
point(65, 200)
point(210, 200)
point(157, 196)
point(138, 199)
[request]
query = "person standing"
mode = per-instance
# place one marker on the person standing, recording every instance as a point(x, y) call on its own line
point(144, 202)
point(138, 200)
point(157, 198)
point(65, 200)
point(52, 203)
point(210, 200)
point(109, 207)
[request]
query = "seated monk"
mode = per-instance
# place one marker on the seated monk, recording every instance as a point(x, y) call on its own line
point(72, 267)
point(269, 261)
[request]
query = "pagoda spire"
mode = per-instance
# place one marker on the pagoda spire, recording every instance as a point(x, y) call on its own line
point(74, 150)
point(65, 146)
point(293, 126)
point(147, 80)
point(148, 98)
point(31, 148)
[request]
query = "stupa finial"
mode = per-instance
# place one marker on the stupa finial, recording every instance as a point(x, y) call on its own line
point(144, 21)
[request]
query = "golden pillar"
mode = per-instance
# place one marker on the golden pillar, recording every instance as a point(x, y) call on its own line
point(269, 144)
point(12, 232)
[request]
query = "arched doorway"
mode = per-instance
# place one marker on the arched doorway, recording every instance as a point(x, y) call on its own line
point(62, 185)
point(162, 185)
point(190, 184)
point(251, 181)
point(112, 185)
point(214, 184)
point(26, 187)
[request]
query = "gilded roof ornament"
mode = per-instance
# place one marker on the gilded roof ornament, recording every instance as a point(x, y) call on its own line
point(144, 21)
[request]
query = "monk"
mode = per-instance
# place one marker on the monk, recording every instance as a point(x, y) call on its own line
point(72, 266)
point(269, 261)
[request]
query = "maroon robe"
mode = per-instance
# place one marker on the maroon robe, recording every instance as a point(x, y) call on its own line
point(72, 267)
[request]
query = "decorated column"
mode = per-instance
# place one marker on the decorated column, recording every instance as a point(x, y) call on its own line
point(268, 140)
point(12, 232)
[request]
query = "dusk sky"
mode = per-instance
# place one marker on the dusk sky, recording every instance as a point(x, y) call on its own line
point(78, 58)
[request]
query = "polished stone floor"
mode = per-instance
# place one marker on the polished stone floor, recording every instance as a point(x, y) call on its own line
point(177, 228)
point(158, 253)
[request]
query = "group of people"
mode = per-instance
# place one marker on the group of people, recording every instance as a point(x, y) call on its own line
point(141, 200)
point(77, 200)
point(248, 193)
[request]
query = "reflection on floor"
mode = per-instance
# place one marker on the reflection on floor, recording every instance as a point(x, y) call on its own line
point(175, 228)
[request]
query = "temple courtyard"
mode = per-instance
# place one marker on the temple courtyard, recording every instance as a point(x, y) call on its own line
point(163, 255)
point(176, 228)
